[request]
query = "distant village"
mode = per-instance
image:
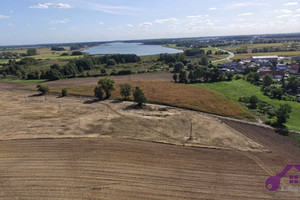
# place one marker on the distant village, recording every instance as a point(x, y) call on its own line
point(277, 67)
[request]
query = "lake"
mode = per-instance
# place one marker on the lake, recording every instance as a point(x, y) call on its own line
point(130, 48)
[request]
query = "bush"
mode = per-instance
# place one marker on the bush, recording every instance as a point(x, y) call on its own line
point(139, 96)
point(124, 72)
point(64, 92)
point(107, 85)
point(253, 102)
point(125, 90)
point(42, 88)
point(98, 92)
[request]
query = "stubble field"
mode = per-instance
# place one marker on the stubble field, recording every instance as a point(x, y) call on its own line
point(76, 148)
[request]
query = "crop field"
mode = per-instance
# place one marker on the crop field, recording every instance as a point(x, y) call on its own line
point(180, 95)
point(252, 46)
point(78, 148)
point(241, 88)
point(282, 53)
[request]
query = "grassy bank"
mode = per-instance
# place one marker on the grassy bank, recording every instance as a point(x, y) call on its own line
point(241, 88)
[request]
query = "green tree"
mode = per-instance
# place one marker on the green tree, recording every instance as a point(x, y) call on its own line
point(98, 92)
point(204, 61)
point(31, 52)
point(4, 75)
point(43, 89)
point(107, 85)
point(175, 77)
point(267, 81)
point(139, 96)
point(178, 67)
point(125, 90)
point(283, 113)
point(64, 92)
point(182, 77)
point(293, 84)
point(111, 62)
point(253, 102)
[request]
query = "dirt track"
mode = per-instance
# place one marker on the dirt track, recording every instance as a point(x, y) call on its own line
point(109, 167)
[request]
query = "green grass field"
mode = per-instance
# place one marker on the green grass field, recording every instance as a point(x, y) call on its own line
point(252, 46)
point(240, 88)
point(22, 82)
point(283, 53)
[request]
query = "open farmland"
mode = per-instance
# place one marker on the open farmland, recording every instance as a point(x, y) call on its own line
point(180, 95)
point(281, 53)
point(76, 148)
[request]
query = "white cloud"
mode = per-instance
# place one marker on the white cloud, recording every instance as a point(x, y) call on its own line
point(63, 6)
point(42, 6)
point(52, 29)
point(298, 10)
point(130, 25)
point(10, 24)
point(244, 4)
point(212, 8)
point(284, 16)
point(118, 10)
point(101, 23)
point(194, 16)
point(284, 11)
point(145, 25)
point(62, 21)
point(291, 4)
point(162, 21)
point(245, 14)
point(4, 16)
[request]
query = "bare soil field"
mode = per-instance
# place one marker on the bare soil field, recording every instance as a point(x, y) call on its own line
point(77, 148)
point(94, 80)
point(27, 115)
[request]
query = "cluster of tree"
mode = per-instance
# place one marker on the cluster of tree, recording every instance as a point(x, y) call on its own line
point(106, 85)
point(57, 48)
point(275, 92)
point(243, 49)
point(22, 69)
point(221, 52)
point(194, 52)
point(281, 114)
point(115, 59)
point(173, 58)
point(11, 55)
point(202, 74)
point(76, 47)
point(31, 52)
point(77, 53)
point(275, 49)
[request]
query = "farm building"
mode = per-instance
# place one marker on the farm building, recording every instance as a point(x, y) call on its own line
point(264, 58)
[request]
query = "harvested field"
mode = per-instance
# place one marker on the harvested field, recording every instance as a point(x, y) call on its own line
point(113, 158)
point(180, 95)
point(26, 115)
point(94, 80)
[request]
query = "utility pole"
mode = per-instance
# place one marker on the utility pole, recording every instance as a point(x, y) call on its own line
point(191, 131)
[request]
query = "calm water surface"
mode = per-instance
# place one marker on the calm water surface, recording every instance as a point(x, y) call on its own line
point(130, 48)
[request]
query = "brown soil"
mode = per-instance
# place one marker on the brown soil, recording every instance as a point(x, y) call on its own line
point(106, 161)
point(94, 80)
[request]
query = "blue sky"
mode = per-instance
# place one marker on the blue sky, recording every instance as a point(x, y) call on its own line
point(45, 21)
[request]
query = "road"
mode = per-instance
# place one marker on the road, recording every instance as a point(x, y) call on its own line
point(231, 55)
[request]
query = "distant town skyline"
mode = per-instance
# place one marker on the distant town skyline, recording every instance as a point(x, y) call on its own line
point(65, 21)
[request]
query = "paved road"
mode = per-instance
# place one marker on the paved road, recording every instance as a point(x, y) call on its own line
point(231, 55)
